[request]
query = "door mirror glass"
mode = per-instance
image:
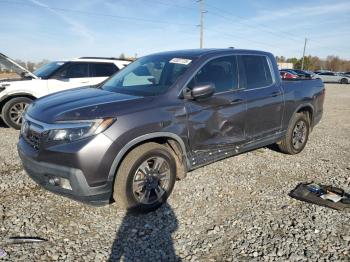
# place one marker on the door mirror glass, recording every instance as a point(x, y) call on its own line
point(200, 91)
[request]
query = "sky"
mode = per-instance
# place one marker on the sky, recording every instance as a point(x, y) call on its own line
point(46, 29)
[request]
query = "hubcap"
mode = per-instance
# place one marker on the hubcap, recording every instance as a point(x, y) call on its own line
point(151, 180)
point(16, 112)
point(299, 135)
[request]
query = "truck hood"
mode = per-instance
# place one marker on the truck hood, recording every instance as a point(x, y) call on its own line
point(11, 65)
point(84, 104)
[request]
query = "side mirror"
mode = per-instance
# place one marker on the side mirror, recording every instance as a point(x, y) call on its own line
point(199, 92)
point(26, 76)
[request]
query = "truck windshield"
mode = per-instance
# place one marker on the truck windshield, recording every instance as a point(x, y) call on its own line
point(148, 76)
point(46, 70)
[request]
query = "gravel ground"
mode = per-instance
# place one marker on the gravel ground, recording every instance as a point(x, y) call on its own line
point(235, 209)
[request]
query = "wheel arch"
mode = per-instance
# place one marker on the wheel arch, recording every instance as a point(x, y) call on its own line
point(308, 108)
point(167, 138)
point(7, 98)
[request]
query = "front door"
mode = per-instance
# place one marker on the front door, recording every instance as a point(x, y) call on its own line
point(70, 76)
point(217, 122)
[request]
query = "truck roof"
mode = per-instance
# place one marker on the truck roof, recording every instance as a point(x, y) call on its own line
point(100, 59)
point(208, 51)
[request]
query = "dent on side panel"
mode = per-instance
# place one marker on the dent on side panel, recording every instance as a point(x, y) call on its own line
point(216, 123)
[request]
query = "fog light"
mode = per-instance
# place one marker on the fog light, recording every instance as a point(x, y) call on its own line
point(64, 183)
point(54, 181)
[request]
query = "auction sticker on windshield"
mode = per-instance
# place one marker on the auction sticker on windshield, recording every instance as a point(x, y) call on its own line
point(181, 61)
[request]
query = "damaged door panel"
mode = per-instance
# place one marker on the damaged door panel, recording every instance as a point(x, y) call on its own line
point(218, 122)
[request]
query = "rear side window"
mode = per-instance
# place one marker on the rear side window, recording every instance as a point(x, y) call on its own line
point(257, 71)
point(103, 69)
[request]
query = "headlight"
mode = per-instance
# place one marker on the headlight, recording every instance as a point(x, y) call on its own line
point(75, 130)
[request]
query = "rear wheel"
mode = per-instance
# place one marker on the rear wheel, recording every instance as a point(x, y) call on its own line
point(297, 135)
point(343, 81)
point(13, 110)
point(145, 178)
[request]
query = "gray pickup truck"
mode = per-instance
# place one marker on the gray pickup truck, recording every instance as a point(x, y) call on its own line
point(131, 137)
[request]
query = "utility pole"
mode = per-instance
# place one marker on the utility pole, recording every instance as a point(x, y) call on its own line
point(202, 12)
point(302, 63)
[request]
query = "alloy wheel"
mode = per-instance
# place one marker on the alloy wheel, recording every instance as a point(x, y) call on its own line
point(16, 112)
point(151, 180)
point(299, 135)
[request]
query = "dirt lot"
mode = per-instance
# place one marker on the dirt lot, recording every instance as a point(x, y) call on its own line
point(236, 209)
point(9, 76)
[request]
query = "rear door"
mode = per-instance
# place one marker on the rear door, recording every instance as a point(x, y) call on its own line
point(71, 75)
point(217, 122)
point(264, 96)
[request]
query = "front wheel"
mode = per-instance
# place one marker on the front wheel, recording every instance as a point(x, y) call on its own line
point(12, 112)
point(343, 81)
point(297, 135)
point(145, 178)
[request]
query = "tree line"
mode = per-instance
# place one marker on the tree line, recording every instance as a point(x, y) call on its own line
point(313, 63)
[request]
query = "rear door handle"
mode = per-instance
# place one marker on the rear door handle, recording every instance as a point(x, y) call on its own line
point(236, 101)
point(276, 93)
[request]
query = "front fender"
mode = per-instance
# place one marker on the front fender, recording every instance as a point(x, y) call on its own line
point(139, 140)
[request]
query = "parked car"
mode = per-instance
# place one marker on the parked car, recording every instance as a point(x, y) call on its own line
point(331, 77)
point(301, 73)
point(321, 71)
point(163, 115)
point(19, 91)
point(288, 75)
point(347, 74)
point(304, 74)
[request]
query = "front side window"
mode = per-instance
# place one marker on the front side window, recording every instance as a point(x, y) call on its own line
point(148, 76)
point(74, 70)
point(257, 71)
point(222, 72)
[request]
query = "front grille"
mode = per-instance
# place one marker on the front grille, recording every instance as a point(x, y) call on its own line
point(31, 135)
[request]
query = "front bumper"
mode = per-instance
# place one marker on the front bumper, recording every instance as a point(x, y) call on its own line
point(42, 172)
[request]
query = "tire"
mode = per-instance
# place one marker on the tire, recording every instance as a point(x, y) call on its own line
point(13, 110)
point(132, 195)
point(343, 81)
point(297, 135)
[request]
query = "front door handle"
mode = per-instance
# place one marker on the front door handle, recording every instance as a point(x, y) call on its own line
point(276, 93)
point(236, 101)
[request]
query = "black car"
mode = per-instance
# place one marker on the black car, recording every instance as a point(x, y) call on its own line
point(165, 114)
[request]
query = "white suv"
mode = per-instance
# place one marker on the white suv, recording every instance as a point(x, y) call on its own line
point(17, 92)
